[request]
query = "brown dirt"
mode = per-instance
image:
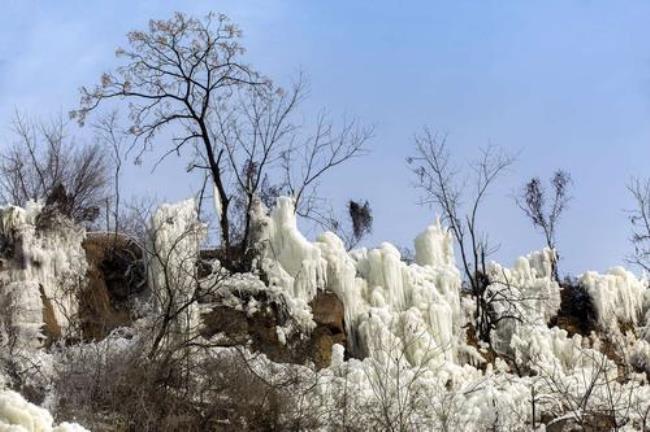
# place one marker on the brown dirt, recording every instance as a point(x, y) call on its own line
point(260, 329)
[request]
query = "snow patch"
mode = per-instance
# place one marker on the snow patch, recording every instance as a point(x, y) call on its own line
point(18, 415)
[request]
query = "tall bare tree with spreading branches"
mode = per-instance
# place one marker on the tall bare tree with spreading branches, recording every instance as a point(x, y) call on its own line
point(110, 136)
point(176, 74)
point(443, 187)
point(532, 201)
point(186, 74)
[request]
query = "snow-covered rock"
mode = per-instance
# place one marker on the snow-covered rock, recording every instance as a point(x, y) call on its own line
point(618, 295)
point(404, 323)
point(43, 268)
point(385, 299)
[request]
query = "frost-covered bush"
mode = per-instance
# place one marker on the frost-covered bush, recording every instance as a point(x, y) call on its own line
point(114, 385)
point(522, 296)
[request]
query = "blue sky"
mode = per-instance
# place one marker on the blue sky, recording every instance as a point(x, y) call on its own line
point(566, 84)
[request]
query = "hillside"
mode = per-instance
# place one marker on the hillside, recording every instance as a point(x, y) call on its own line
point(117, 334)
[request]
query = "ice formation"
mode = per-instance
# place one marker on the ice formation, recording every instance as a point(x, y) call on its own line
point(174, 237)
point(386, 301)
point(404, 321)
point(18, 415)
point(526, 291)
point(617, 295)
point(43, 265)
point(301, 267)
point(405, 317)
point(216, 201)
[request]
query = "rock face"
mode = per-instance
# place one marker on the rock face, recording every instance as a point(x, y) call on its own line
point(328, 314)
point(261, 329)
point(115, 274)
point(114, 277)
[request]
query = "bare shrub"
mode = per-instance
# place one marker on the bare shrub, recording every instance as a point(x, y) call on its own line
point(45, 163)
point(110, 387)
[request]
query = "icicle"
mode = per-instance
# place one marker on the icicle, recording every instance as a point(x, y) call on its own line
point(435, 246)
point(216, 199)
point(175, 235)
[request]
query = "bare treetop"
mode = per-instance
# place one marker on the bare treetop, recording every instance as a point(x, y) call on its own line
point(444, 184)
point(640, 219)
point(271, 153)
point(174, 69)
point(532, 201)
point(444, 187)
point(310, 157)
point(179, 73)
point(45, 161)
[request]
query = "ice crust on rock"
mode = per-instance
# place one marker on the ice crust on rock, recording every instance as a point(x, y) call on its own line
point(47, 262)
point(301, 269)
point(415, 309)
point(385, 299)
point(175, 234)
point(618, 295)
point(405, 320)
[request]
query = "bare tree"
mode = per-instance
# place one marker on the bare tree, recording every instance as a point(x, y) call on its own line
point(532, 201)
point(271, 153)
point(306, 164)
point(109, 135)
point(640, 219)
point(254, 131)
point(186, 73)
point(443, 188)
point(45, 163)
point(178, 73)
